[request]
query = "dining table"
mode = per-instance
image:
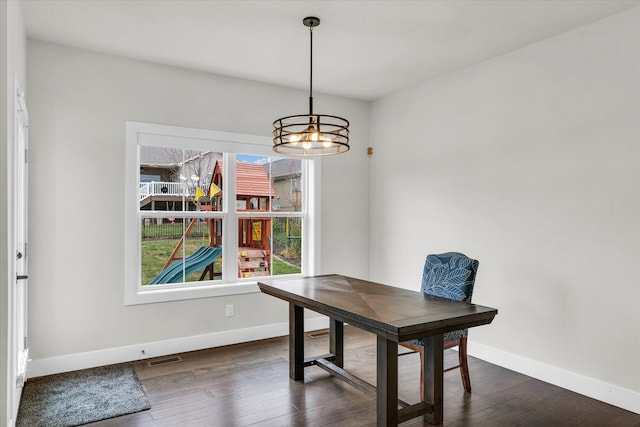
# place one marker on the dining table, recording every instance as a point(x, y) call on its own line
point(394, 314)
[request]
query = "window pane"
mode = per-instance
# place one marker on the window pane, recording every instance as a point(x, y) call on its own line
point(257, 257)
point(268, 183)
point(287, 246)
point(285, 176)
point(253, 188)
point(176, 179)
point(177, 250)
point(254, 248)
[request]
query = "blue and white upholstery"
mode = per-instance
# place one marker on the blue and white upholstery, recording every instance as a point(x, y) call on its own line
point(449, 275)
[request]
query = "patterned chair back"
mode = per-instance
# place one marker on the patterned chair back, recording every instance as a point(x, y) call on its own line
point(449, 275)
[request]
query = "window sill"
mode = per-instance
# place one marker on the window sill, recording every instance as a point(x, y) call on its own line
point(149, 296)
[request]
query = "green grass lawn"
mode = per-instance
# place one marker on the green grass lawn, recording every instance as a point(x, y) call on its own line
point(156, 252)
point(283, 267)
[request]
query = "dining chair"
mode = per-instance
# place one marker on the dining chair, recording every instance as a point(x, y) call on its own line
point(448, 275)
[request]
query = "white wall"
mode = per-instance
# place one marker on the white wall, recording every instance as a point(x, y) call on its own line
point(529, 162)
point(79, 102)
point(12, 58)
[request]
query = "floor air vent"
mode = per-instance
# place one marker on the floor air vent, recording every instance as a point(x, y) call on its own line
point(164, 361)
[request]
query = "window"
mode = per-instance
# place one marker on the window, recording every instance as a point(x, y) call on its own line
point(209, 213)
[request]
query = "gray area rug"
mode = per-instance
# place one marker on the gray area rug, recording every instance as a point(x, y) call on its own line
point(81, 397)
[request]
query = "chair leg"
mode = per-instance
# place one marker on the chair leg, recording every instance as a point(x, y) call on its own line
point(417, 349)
point(462, 360)
point(421, 351)
point(464, 366)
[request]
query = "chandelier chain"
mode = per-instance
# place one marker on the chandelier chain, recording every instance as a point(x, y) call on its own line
point(310, 70)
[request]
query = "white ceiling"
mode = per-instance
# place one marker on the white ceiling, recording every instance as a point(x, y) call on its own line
point(362, 49)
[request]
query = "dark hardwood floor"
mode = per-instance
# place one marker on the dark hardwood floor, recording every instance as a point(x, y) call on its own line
point(248, 384)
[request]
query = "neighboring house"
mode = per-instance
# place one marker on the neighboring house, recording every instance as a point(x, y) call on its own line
point(286, 177)
point(169, 177)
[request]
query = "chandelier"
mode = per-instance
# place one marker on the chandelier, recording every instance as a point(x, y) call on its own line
point(311, 134)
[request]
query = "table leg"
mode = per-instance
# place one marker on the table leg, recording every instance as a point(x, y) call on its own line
point(336, 341)
point(433, 381)
point(387, 382)
point(296, 342)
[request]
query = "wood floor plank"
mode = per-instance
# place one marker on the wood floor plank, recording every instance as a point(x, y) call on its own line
point(248, 385)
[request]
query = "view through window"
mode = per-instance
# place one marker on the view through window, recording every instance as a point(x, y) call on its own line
point(182, 215)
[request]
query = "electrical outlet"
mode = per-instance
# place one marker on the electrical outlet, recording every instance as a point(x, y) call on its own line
point(230, 310)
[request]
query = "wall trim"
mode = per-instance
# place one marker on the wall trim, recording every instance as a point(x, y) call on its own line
point(590, 387)
point(109, 356)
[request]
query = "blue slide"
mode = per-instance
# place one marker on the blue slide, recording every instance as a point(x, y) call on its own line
point(198, 260)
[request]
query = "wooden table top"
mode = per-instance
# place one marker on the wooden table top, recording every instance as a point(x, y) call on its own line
point(395, 313)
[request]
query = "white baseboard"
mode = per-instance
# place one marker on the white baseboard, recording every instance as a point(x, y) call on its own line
point(109, 356)
point(596, 389)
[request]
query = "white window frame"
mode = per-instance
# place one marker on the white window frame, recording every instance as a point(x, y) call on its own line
point(139, 133)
